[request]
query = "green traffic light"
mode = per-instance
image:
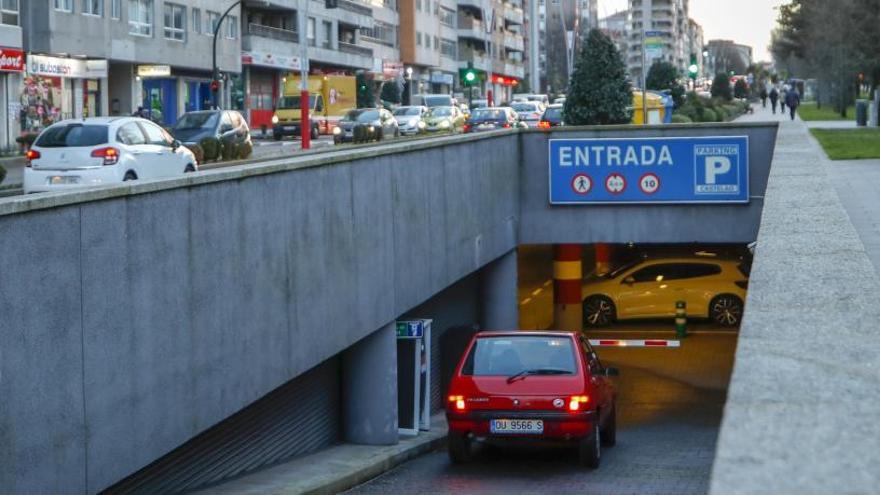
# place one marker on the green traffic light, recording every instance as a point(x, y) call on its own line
point(470, 76)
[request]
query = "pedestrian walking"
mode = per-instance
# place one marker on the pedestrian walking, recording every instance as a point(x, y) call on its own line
point(140, 112)
point(783, 95)
point(774, 98)
point(764, 96)
point(793, 100)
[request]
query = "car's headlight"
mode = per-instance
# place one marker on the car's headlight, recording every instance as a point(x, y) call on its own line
point(337, 131)
point(371, 128)
point(444, 124)
point(421, 124)
point(274, 119)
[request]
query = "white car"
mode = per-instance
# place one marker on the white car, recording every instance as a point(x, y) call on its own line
point(410, 120)
point(529, 112)
point(96, 151)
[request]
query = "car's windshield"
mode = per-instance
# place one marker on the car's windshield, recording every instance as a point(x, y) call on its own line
point(509, 355)
point(525, 107)
point(368, 116)
point(60, 136)
point(488, 114)
point(197, 120)
point(434, 101)
point(292, 102)
point(407, 111)
point(553, 113)
point(441, 112)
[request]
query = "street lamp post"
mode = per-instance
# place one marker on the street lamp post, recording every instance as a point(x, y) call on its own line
point(305, 126)
point(215, 72)
point(409, 71)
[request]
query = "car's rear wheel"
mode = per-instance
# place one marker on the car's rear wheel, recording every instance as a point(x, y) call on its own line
point(609, 433)
point(189, 168)
point(599, 311)
point(459, 447)
point(591, 449)
point(315, 133)
point(726, 310)
point(129, 176)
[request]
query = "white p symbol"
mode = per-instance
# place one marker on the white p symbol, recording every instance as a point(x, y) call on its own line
point(715, 166)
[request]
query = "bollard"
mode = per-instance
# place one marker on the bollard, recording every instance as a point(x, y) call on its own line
point(681, 319)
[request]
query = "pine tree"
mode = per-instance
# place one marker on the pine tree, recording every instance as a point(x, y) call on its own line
point(721, 87)
point(663, 76)
point(599, 92)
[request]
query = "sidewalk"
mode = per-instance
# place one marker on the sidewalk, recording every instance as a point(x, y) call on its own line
point(335, 469)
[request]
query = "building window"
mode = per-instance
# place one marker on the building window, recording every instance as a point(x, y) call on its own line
point(213, 19)
point(447, 17)
point(381, 32)
point(116, 9)
point(436, 43)
point(64, 5)
point(419, 5)
point(232, 27)
point(328, 34)
point(310, 31)
point(9, 12)
point(448, 48)
point(418, 38)
point(197, 21)
point(93, 7)
point(175, 22)
point(140, 17)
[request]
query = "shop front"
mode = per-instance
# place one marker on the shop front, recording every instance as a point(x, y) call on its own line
point(56, 88)
point(441, 82)
point(11, 69)
point(167, 94)
point(261, 85)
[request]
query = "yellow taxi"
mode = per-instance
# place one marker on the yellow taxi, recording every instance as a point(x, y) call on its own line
point(649, 288)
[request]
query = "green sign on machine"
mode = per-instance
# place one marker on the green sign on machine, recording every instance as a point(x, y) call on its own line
point(410, 329)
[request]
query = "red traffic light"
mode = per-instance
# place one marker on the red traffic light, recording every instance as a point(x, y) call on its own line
point(215, 85)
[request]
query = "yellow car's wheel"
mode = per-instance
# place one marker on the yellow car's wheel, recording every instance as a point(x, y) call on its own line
point(599, 311)
point(726, 310)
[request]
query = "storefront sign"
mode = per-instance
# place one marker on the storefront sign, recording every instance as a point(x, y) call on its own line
point(154, 70)
point(270, 60)
point(66, 67)
point(649, 170)
point(441, 78)
point(11, 60)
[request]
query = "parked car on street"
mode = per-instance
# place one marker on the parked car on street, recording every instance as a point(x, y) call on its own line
point(490, 119)
point(649, 288)
point(410, 119)
point(366, 124)
point(445, 119)
point(97, 151)
point(528, 112)
point(552, 117)
point(531, 387)
point(192, 127)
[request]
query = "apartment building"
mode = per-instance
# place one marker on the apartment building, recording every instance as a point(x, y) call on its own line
point(108, 57)
point(562, 26)
point(696, 46)
point(670, 20)
point(615, 27)
point(12, 64)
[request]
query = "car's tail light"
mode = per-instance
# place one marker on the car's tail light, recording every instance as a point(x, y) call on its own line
point(467, 128)
point(31, 155)
point(110, 155)
point(543, 124)
point(457, 402)
point(742, 284)
point(506, 125)
point(574, 404)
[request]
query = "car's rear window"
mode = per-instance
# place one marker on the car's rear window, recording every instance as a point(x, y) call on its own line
point(60, 136)
point(553, 113)
point(491, 356)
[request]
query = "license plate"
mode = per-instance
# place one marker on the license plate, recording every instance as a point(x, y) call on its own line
point(517, 426)
point(63, 179)
point(487, 126)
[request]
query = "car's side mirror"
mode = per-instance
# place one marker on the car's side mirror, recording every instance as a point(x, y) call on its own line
point(629, 280)
point(175, 144)
point(612, 372)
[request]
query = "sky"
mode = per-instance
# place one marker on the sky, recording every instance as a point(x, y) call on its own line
point(747, 22)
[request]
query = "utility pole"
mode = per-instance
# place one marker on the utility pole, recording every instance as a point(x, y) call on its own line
point(644, 76)
point(305, 124)
point(215, 71)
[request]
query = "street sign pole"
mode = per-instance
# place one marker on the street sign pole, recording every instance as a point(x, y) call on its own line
point(305, 125)
point(644, 77)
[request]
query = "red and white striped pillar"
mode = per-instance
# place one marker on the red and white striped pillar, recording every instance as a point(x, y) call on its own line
point(567, 274)
point(603, 258)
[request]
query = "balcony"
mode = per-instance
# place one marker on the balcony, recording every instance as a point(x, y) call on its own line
point(514, 42)
point(513, 14)
point(470, 27)
point(356, 7)
point(272, 33)
point(474, 4)
point(355, 49)
point(478, 59)
point(514, 70)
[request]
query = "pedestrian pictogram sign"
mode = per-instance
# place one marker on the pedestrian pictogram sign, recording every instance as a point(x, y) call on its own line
point(615, 184)
point(649, 183)
point(581, 183)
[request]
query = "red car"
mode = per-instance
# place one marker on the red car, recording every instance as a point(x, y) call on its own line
point(536, 387)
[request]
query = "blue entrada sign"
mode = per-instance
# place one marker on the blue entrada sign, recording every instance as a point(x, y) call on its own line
point(650, 170)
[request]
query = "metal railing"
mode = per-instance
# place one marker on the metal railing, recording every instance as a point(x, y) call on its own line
point(355, 49)
point(272, 32)
point(356, 7)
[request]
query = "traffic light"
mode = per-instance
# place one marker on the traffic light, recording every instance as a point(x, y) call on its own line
point(468, 76)
point(693, 68)
point(215, 85)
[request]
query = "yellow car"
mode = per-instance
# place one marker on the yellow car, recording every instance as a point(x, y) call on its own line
point(649, 288)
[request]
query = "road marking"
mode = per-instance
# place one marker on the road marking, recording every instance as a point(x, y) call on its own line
point(536, 292)
point(525, 301)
